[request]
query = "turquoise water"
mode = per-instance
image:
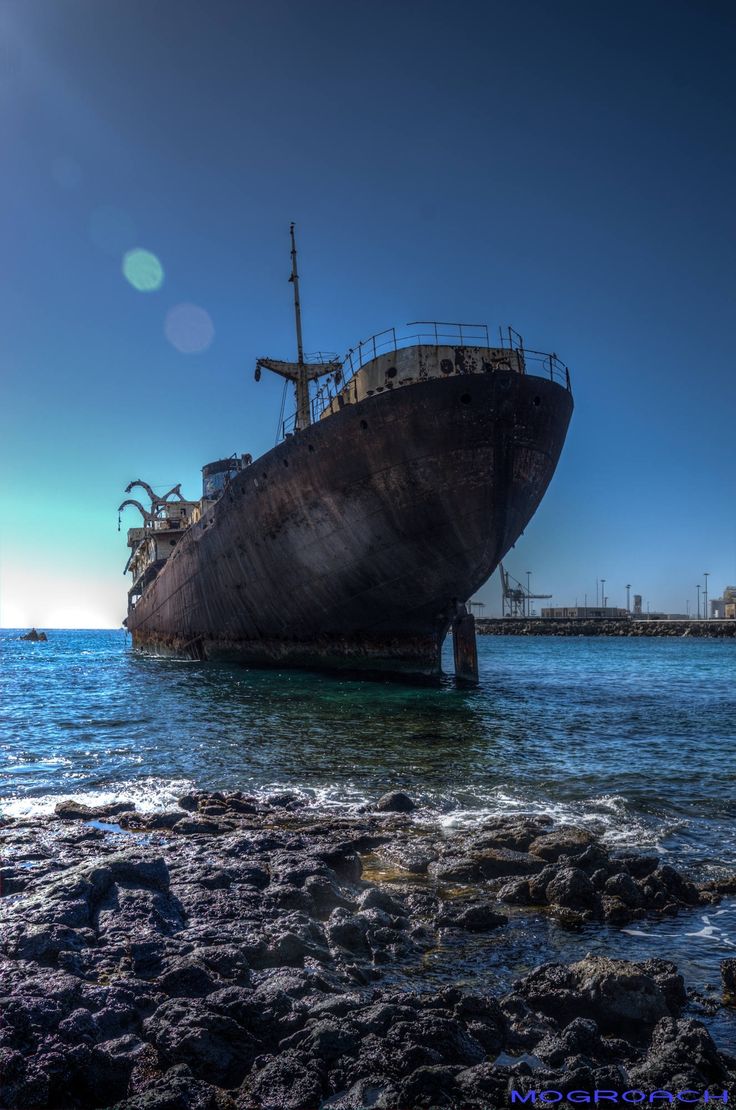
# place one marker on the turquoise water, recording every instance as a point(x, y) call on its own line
point(634, 738)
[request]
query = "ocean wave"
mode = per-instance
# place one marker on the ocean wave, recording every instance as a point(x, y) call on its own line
point(147, 794)
point(608, 816)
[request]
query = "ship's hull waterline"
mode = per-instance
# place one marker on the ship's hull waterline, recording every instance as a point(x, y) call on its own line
point(348, 545)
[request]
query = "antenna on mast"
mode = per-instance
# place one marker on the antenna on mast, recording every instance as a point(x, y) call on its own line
point(297, 306)
point(301, 373)
point(302, 386)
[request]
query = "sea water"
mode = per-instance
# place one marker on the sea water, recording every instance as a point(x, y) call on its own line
point(633, 738)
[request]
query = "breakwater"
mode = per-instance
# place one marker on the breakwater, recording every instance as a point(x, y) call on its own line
point(547, 626)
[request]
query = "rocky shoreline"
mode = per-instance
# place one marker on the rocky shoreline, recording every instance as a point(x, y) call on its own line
point(246, 954)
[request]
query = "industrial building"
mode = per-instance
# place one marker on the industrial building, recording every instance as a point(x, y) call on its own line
point(586, 612)
point(724, 608)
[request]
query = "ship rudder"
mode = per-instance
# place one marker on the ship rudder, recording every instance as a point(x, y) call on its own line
point(465, 649)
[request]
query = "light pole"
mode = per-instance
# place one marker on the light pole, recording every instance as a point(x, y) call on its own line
point(705, 602)
point(603, 593)
point(628, 597)
point(528, 593)
point(698, 589)
point(687, 608)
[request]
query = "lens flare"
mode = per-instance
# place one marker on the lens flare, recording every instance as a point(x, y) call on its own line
point(143, 270)
point(189, 328)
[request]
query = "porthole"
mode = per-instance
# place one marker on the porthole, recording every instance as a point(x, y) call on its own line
point(310, 447)
point(391, 372)
point(465, 399)
point(364, 425)
point(536, 401)
point(286, 462)
point(446, 366)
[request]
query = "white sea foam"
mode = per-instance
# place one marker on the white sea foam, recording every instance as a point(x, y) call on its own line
point(147, 794)
point(720, 933)
point(607, 815)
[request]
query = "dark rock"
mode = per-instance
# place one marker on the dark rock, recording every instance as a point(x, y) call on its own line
point(572, 889)
point(681, 1049)
point(580, 1038)
point(476, 919)
point(190, 826)
point(515, 833)
point(326, 1040)
point(325, 895)
point(283, 1082)
point(538, 884)
point(465, 870)
point(34, 636)
point(44, 943)
point(414, 856)
point(591, 859)
point(176, 1090)
point(79, 1026)
point(396, 801)
point(566, 840)
point(485, 1085)
point(728, 974)
point(676, 885)
point(620, 996)
point(516, 892)
point(72, 810)
point(446, 1038)
point(180, 973)
point(148, 821)
point(615, 912)
point(240, 805)
point(637, 866)
point(284, 799)
point(490, 863)
point(429, 1087)
point(348, 931)
point(378, 899)
point(344, 862)
point(495, 863)
point(215, 1047)
point(186, 979)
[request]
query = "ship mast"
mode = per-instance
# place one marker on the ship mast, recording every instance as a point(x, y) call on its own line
point(303, 416)
point(303, 371)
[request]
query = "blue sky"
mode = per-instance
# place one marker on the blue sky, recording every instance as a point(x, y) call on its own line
point(564, 167)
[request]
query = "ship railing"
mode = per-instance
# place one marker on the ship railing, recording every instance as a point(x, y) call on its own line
point(543, 365)
point(438, 333)
point(342, 387)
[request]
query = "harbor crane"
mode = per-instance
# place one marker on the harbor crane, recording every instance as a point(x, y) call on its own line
point(517, 598)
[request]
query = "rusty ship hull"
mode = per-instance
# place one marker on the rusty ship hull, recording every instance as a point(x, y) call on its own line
point(351, 543)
